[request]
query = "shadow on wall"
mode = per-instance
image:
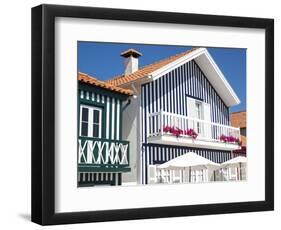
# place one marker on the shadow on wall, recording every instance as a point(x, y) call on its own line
point(25, 216)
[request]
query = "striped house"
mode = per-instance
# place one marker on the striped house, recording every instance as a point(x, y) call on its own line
point(103, 156)
point(182, 105)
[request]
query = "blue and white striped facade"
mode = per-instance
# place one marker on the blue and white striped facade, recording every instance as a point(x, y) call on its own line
point(169, 93)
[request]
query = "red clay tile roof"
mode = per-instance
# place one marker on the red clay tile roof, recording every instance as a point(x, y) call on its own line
point(146, 70)
point(93, 81)
point(239, 119)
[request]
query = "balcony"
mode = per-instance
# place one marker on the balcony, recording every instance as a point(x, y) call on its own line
point(173, 129)
point(102, 155)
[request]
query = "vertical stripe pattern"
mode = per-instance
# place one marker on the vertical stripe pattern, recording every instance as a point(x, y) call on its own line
point(111, 115)
point(92, 178)
point(170, 91)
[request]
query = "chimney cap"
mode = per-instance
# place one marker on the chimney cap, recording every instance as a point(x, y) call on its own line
point(131, 52)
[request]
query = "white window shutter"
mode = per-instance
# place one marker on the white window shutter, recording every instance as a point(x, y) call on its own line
point(152, 176)
point(191, 107)
point(207, 112)
point(207, 118)
point(191, 112)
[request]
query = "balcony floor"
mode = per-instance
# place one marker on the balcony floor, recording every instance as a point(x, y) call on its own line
point(197, 143)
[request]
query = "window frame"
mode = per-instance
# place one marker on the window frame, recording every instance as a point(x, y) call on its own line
point(91, 122)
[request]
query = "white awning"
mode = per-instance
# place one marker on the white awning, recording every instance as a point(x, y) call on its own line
point(234, 162)
point(189, 160)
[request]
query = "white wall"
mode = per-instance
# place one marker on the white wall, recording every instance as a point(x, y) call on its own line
point(15, 114)
point(131, 64)
point(130, 133)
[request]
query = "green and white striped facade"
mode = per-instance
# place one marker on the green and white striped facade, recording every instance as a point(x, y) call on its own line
point(102, 158)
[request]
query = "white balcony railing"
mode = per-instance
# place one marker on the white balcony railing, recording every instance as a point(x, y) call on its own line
point(159, 122)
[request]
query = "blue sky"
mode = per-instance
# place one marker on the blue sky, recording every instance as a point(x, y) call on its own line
point(103, 60)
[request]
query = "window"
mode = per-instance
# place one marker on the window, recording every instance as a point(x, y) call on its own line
point(200, 114)
point(84, 121)
point(96, 123)
point(90, 121)
point(198, 110)
point(243, 131)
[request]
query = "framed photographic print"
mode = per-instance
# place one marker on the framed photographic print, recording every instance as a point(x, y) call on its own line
point(142, 114)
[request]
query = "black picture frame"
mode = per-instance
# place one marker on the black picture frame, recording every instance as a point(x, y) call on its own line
point(43, 114)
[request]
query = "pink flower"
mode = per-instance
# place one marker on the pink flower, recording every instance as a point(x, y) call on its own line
point(223, 138)
point(229, 139)
point(175, 131)
point(166, 129)
point(191, 133)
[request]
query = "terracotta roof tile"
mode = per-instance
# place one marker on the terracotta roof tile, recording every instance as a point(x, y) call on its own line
point(239, 119)
point(94, 81)
point(146, 70)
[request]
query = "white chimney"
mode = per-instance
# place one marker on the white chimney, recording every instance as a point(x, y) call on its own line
point(131, 61)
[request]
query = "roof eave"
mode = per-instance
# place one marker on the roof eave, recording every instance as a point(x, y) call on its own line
point(102, 85)
point(226, 92)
